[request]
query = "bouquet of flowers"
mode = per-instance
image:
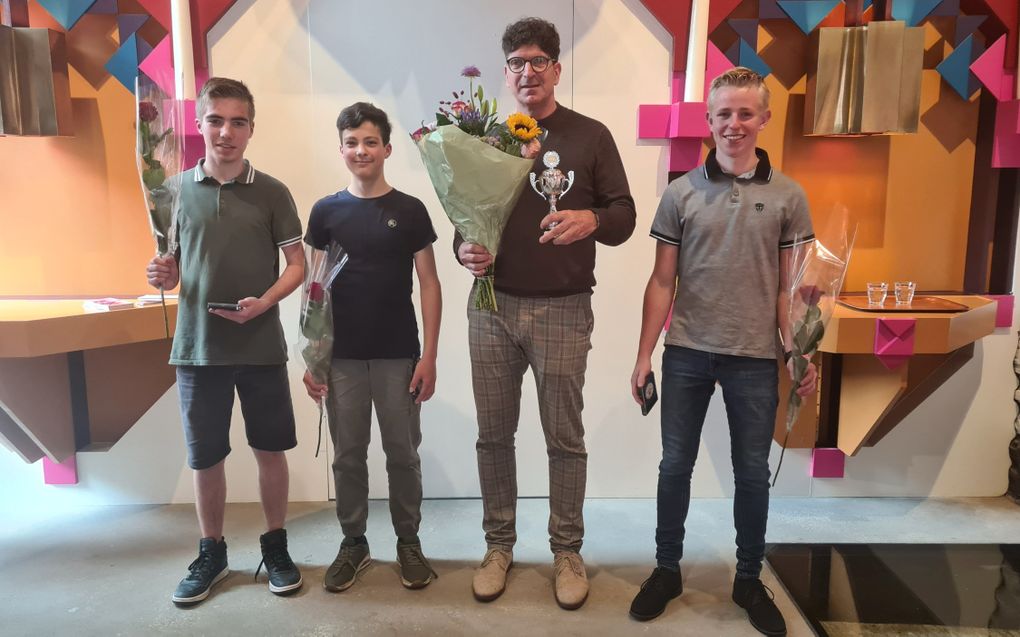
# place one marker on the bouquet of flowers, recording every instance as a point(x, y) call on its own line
point(159, 155)
point(817, 270)
point(315, 338)
point(478, 167)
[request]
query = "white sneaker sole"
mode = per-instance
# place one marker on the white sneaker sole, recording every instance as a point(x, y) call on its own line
point(197, 598)
point(282, 590)
point(339, 589)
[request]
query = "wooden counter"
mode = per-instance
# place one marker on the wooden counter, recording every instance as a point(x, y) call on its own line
point(862, 398)
point(72, 380)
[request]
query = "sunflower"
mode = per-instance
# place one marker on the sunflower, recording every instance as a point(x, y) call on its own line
point(523, 127)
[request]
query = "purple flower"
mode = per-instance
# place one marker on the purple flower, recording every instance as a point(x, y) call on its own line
point(471, 71)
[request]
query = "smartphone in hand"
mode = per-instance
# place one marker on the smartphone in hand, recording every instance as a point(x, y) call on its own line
point(649, 396)
point(230, 307)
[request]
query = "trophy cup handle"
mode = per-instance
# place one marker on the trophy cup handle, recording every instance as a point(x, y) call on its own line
point(569, 181)
point(534, 186)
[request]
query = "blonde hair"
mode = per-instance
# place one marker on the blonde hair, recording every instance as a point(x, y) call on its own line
point(741, 77)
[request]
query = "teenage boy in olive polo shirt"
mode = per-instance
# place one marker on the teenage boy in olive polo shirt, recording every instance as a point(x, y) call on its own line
point(724, 233)
point(232, 222)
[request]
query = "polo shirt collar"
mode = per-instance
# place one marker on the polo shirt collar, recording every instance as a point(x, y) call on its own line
point(247, 175)
point(762, 172)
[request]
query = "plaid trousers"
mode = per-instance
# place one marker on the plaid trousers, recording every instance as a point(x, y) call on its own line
point(553, 337)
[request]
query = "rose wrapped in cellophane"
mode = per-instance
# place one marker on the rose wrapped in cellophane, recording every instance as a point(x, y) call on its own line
point(817, 271)
point(159, 156)
point(315, 337)
point(478, 167)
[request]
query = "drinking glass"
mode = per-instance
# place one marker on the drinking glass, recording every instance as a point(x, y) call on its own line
point(877, 293)
point(904, 291)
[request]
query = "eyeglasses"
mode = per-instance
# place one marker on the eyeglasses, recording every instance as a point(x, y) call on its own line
point(539, 63)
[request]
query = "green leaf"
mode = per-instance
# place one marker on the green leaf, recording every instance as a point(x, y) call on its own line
point(481, 94)
point(442, 120)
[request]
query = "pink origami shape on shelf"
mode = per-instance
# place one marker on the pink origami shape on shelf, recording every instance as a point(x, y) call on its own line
point(1006, 138)
point(991, 69)
point(894, 340)
point(827, 463)
point(1003, 309)
point(65, 472)
point(683, 122)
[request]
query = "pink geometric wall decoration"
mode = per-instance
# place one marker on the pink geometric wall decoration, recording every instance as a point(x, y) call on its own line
point(65, 472)
point(159, 66)
point(990, 68)
point(1006, 139)
point(894, 340)
point(1003, 309)
point(827, 463)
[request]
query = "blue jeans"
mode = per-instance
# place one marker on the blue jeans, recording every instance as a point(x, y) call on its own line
point(750, 389)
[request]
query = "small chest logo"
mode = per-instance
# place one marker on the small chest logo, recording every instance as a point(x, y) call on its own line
point(759, 207)
point(392, 223)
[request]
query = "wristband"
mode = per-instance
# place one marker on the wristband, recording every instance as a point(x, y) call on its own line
point(787, 355)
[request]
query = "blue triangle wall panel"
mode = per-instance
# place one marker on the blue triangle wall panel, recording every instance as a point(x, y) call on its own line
point(67, 12)
point(124, 63)
point(807, 14)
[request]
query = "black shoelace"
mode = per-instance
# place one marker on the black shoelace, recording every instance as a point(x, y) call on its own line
point(275, 558)
point(414, 557)
point(202, 567)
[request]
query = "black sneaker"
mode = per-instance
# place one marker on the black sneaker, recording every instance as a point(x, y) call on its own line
point(656, 591)
point(284, 577)
point(756, 599)
point(415, 570)
point(208, 568)
point(351, 560)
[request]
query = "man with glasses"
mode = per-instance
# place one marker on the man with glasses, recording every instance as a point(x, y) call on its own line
point(544, 278)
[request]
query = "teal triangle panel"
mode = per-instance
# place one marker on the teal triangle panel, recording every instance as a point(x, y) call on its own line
point(751, 60)
point(67, 12)
point(807, 14)
point(955, 69)
point(124, 64)
point(913, 11)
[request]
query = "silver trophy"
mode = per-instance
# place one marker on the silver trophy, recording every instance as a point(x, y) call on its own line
point(552, 183)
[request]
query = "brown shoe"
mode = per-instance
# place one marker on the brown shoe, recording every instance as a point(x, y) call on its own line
point(571, 580)
point(490, 578)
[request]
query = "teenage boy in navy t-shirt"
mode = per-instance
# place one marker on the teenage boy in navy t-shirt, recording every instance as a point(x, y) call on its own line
point(377, 359)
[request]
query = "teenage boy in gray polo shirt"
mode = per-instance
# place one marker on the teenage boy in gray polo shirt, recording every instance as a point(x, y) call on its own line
point(233, 221)
point(724, 233)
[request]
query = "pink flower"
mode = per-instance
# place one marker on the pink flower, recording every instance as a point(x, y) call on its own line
point(531, 149)
point(421, 132)
point(147, 112)
point(810, 294)
point(471, 71)
point(458, 107)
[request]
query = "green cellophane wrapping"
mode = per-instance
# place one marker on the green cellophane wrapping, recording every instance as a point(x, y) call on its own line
point(478, 186)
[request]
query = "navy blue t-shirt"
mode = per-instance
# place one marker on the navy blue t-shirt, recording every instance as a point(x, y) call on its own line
point(373, 315)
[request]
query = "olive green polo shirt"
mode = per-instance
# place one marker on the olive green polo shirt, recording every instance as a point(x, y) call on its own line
point(230, 238)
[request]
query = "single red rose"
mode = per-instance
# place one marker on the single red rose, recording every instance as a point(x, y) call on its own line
point(147, 112)
point(315, 292)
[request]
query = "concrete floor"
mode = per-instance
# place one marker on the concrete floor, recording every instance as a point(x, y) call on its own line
point(110, 570)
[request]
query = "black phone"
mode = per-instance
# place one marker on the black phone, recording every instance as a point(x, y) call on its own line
point(230, 307)
point(649, 396)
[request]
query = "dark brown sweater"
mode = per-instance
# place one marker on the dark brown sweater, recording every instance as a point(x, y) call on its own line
point(525, 267)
